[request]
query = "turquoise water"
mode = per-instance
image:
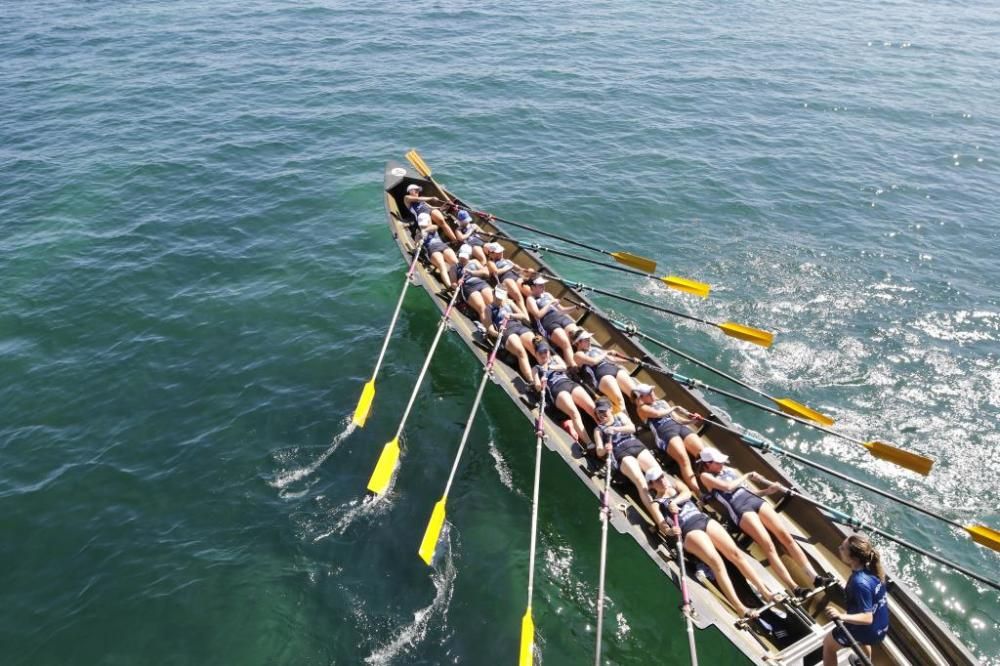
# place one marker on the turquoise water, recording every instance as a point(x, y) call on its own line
point(195, 277)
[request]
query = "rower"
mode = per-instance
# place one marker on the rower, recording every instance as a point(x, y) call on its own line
point(754, 516)
point(436, 249)
point(476, 291)
point(468, 232)
point(518, 338)
point(670, 430)
point(614, 439)
point(867, 617)
point(706, 539)
point(563, 392)
point(506, 273)
point(419, 205)
point(550, 315)
point(609, 378)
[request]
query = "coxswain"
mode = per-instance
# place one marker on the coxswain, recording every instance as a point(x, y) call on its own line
point(867, 616)
point(418, 205)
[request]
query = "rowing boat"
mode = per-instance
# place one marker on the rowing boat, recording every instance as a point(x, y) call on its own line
point(793, 632)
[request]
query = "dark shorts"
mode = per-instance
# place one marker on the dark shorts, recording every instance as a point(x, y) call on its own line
point(561, 386)
point(745, 503)
point(667, 429)
point(435, 246)
point(475, 241)
point(509, 275)
point(863, 634)
point(605, 369)
point(514, 328)
point(697, 523)
point(629, 447)
point(471, 286)
point(554, 320)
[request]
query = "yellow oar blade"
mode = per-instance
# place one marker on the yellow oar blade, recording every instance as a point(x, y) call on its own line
point(386, 465)
point(689, 286)
point(754, 335)
point(527, 639)
point(911, 461)
point(418, 163)
point(364, 404)
point(635, 261)
point(984, 536)
point(789, 406)
point(432, 533)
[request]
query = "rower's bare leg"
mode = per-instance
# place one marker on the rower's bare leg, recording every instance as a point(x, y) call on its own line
point(450, 256)
point(438, 218)
point(438, 260)
point(584, 401)
point(564, 401)
point(559, 338)
point(675, 449)
point(528, 342)
point(516, 347)
point(729, 550)
point(699, 544)
point(774, 523)
point(751, 524)
point(625, 384)
point(514, 291)
point(633, 469)
point(609, 387)
point(478, 253)
point(830, 649)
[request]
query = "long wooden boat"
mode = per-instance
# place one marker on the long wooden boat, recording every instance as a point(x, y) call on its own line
point(795, 633)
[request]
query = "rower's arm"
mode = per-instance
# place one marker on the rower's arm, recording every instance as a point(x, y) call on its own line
point(858, 618)
point(683, 492)
point(533, 307)
point(712, 482)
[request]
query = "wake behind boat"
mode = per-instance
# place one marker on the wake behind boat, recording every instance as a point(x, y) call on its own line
point(788, 632)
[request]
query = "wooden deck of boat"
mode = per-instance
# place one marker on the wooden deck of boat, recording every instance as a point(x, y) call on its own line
point(916, 636)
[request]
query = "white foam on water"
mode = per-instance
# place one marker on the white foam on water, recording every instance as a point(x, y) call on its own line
point(287, 477)
point(349, 513)
point(501, 466)
point(415, 632)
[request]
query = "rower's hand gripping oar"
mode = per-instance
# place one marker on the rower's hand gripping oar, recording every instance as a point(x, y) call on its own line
point(686, 609)
point(433, 532)
point(981, 534)
point(686, 285)
point(605, 519)
point(368, 392)
point(787, 405)
point(526, 653)
point(389, 458)
point(643, 264)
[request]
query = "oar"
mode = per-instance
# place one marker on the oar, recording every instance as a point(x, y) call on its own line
point(674, 282)
point(605, 519)
point(389, 458)
point(687, 610)
point(862, 655)
point(434, 525)
point(644, 264)
point(527, 623)
point(795, 409)
point(368, 392)
point(884, 451)
point(981, 534)
point(850, 521)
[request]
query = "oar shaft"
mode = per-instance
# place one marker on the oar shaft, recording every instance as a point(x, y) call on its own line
point(521, 225)
point(644, 304)
point(399, 307)
point(692, 649)
point(768, 446)
point(430, 355)
point(605, 519)
point(475, 407)
point(851, 521)
point(540, 437)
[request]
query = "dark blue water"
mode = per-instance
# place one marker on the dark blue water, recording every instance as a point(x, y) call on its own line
point(195, 277)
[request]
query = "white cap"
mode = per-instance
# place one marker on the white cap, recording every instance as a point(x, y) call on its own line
point(712, 454)
point(500, 293)
point(539, 280)
point(643, 389)
point(465, 250)
point(654, 474)
point(424, 220)
point(493, 247)
point(413, 186)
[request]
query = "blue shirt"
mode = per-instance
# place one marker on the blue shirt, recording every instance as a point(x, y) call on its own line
point(866, 594)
